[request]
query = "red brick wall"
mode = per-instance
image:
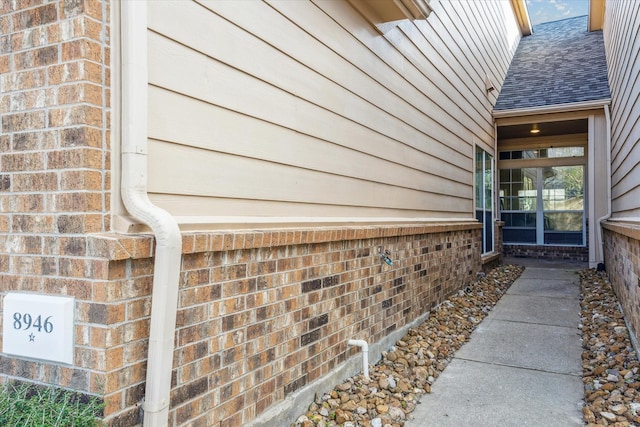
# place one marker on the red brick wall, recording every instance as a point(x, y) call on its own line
point(54, 170)
point(622, 263)
point(273, 312)
point(54, 164)
point(55, 112)
point(575, 253)
point(260, 314)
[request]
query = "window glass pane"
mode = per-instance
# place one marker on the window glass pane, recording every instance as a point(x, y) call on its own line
point(507, 203)
point(478, 176)
point(488, 232)
point(530, 219)
point(563, 221)
point(518, 189)
point(564, 152)
point(527, 203)
point(542, 153)
point(516, 175)
point(519, 219)
point(563, 188)
point(484, 196)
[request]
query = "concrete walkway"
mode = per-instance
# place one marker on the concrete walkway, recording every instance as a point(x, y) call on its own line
point(522, 365)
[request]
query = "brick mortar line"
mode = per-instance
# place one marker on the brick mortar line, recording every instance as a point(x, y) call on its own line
point(55, 107)
point(54, 43)
point(84, 59)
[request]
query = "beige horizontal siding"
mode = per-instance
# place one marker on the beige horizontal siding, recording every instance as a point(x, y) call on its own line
point(622, 25)
point(184, 122)
point(228, 175)
point(302, 108)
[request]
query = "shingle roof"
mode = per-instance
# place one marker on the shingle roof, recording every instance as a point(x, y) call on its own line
point(561, 62)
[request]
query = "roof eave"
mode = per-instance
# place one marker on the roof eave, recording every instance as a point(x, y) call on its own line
point(550, 109)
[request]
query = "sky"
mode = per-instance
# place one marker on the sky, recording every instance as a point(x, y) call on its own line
point(553, 10)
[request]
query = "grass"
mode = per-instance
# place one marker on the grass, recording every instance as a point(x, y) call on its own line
point(27, 405)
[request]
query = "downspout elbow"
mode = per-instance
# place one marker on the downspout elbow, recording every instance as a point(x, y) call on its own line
point(364, 346)
point(136, 200)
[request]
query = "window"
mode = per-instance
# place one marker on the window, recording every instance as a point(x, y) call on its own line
point(484, 197)
point(543, 205)
point(542, 153)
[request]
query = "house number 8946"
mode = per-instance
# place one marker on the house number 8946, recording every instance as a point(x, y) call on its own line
point(25, 321)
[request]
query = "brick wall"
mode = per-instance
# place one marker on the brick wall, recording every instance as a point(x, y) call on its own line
point(54, 164)
point(574, 253)
point(107, 315)
point(54, 60)
point(559, 252)
point(54, 168)
point(260, 315)
point(622, 263)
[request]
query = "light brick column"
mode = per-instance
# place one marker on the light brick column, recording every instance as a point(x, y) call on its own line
point(54, 168)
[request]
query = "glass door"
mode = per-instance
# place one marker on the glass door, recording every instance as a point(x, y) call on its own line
point(563, 205)
point(543, 206)
point(484, 197)
point(519, 204)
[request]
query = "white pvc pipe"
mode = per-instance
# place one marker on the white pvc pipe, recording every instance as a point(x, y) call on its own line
point(365, 355)
point(605, 217)
point(134, 195)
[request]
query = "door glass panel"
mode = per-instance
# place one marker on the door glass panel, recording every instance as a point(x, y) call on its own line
point(518, 201)
point(563, 202)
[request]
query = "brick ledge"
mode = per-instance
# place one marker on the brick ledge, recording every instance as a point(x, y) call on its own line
point(488, 258)
point(117, 246)
point(627, 229)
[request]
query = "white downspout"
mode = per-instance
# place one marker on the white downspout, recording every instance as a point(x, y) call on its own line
point(605, 217)
point(134, 195)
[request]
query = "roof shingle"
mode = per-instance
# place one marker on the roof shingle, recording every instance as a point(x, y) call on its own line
point(560, 63)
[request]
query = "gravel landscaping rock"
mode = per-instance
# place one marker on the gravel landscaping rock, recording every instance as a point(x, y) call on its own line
point(611, 372)
point(408, 369)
